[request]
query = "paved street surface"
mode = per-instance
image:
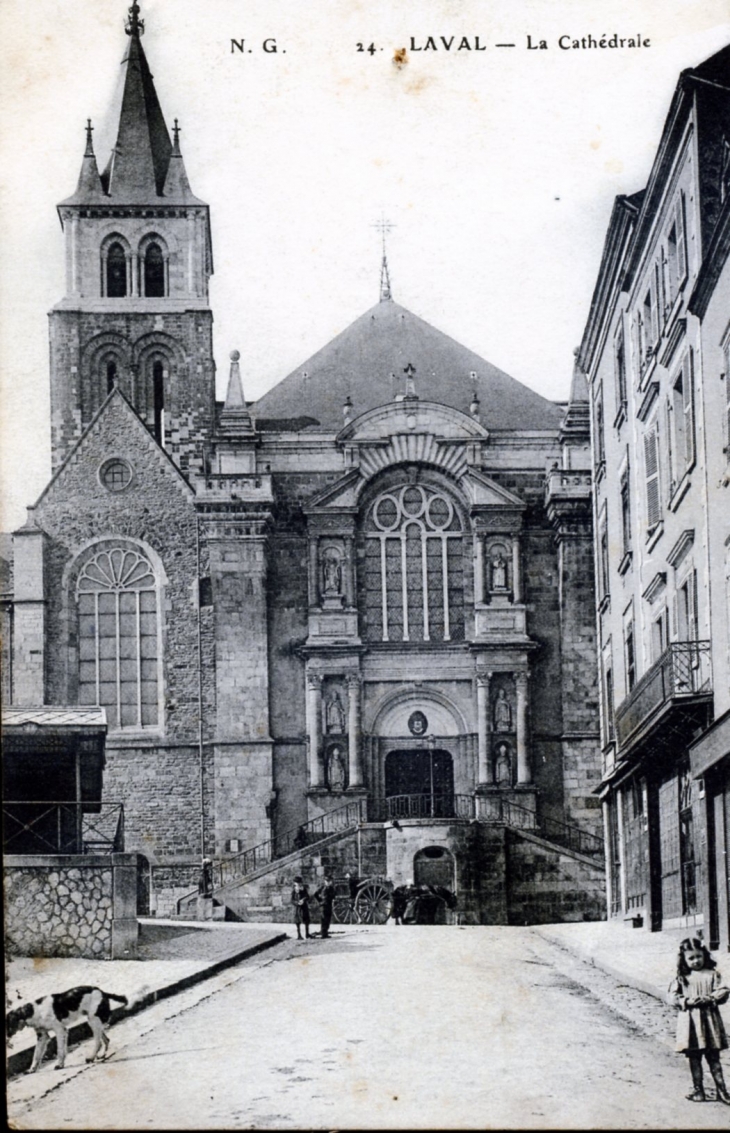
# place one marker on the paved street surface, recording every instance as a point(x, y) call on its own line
point(392, 1027)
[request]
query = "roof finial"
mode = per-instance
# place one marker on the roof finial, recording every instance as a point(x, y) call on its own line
point(410, 373)
point(135, 26)
point(89, 143)
point(384, 226)
point(176, 136)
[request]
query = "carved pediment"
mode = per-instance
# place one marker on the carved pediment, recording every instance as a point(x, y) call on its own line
point(486, 494)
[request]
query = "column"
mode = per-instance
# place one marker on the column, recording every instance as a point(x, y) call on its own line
point(516, 570)
point(353, 731)
point(314, 727)
point(479, 569)
point(523, 763)
point(484, 772)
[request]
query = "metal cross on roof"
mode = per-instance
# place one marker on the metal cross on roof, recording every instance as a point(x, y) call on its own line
point(135, 26)
point(384, 226)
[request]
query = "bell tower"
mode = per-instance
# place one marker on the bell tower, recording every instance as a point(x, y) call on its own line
point(135, 314)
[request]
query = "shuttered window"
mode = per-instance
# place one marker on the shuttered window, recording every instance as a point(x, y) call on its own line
point(651, 466)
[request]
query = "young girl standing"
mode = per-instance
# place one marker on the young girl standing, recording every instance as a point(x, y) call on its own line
point(696, 993)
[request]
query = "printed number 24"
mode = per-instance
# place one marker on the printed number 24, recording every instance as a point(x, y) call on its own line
point(371, 49)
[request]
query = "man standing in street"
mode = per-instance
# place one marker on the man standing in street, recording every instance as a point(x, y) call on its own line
point(326, 895)
point(300, 901)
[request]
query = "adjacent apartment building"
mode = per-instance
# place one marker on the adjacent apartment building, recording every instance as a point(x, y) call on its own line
point(656, 355)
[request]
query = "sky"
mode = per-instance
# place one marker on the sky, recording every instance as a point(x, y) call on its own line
point(497, 168)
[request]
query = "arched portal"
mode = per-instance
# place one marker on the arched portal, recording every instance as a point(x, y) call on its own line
point(419, 783)
point(434, 865)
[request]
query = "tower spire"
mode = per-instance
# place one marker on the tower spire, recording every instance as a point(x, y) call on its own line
point(134, 26)
point(384, 226)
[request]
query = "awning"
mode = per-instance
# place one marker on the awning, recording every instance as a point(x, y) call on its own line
point(711, 747)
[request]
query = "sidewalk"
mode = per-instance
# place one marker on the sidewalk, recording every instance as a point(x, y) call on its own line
point(172, 955)
point(644, 960)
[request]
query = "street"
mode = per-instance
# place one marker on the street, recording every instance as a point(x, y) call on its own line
point(381, 1028)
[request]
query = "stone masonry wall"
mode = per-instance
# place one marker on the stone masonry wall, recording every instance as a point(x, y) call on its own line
point(158, 777)
point(183, 338)
point(546, 886)
point(59, 905)
point(581, 746)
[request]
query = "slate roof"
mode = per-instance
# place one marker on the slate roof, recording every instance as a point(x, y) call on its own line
point(144, 163)
point(359, 363)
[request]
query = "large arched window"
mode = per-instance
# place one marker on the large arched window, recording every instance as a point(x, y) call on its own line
point(154, 272)
point(119, 653)
point(111, 374)
point(116, 271)
point(413, 572)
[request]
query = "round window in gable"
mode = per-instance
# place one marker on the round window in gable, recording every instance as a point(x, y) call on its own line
point(116, 474)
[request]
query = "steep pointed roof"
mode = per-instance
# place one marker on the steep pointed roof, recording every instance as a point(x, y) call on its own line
point(89, 187)
point(177, 187)
point(138, 165)
point(235, 417)
point(367, 362)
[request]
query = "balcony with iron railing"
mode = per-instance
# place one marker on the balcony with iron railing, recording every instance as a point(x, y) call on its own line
point(681, 676)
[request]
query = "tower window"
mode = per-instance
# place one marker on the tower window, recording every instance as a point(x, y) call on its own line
point(154, 272)
point(119, 638)
point(116, 272)
point(111, 376)
point(158, 395)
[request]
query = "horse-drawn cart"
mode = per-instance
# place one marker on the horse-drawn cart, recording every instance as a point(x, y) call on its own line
point(362, 900)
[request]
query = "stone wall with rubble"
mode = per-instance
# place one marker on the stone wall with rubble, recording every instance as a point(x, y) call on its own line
point(546, 885)
point(59, 905)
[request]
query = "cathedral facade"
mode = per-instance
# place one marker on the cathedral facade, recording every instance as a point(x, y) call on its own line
point(368, 594)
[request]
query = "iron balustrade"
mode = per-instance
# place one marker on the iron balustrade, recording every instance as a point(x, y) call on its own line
point(239, 866)
point(683, 671)
point(59, 827)
point(426, 806)
point(491, 809)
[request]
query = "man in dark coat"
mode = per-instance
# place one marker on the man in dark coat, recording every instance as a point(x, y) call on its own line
point(326, 895)
point(300, 901)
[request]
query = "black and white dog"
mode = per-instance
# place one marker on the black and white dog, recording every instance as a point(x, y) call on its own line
point(54, 1014)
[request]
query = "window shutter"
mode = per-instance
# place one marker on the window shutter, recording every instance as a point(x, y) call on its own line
point(671, 456)
point(681, 241)
point(688, 400)
point(651, 462)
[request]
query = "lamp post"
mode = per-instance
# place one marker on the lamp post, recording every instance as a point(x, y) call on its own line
point(431, 742)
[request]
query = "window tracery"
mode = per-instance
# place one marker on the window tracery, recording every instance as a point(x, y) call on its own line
point(118, 623)
point(413, 575)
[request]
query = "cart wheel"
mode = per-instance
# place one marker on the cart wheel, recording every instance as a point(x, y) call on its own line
point(373, 903)
point(343, 911)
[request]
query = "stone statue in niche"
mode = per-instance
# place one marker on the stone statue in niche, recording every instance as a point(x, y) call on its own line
point(503, 766)
point(334, 714)
point(502, 713)
point(336, 773)
point(499, 572)
point(332, 575)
